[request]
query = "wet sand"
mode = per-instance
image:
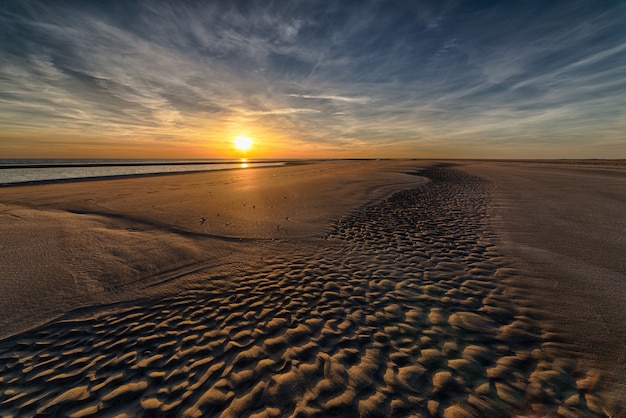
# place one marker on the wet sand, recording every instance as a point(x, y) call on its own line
point(379, 302)
point(79, 244)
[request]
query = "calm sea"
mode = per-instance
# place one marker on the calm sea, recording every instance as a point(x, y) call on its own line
point(27, 171)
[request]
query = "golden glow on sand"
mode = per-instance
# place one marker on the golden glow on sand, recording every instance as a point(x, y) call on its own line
point(243, 143)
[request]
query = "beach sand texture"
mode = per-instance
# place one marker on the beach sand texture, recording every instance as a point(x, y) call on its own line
point(78, 244)
point(407, 305)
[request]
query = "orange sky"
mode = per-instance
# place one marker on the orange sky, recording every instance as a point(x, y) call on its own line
point(374, 80)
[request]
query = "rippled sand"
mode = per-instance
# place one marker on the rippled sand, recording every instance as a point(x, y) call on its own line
point(401, 309)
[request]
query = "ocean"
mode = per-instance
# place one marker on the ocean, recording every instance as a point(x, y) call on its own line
point(33, 171)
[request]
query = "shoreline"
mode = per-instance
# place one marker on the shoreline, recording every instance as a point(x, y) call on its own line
point(140, 175)
point(579, 163)
point(125, 164)
point(119, 177)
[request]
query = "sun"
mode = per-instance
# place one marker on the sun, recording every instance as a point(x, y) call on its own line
point(243, 143)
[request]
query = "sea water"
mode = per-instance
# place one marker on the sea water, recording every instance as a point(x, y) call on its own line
point(27, 171)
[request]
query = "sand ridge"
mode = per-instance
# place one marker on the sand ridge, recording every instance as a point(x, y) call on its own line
point(399, 311)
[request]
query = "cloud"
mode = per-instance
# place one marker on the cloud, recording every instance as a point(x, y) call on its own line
point(288, 111)
point(346, 74)
point(357, 100)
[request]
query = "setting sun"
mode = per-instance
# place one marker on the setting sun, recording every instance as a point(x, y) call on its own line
point(243, 143)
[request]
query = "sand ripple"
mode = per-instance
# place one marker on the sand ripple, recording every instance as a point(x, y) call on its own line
point(400, 312)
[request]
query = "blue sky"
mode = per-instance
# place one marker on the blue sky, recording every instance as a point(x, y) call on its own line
point(492, 79)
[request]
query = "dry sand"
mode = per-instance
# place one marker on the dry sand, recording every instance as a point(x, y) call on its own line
point(296, 291)
point(564, 224)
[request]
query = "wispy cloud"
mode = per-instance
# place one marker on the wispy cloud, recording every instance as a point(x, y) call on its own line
point(358, 100)
point(290, 111)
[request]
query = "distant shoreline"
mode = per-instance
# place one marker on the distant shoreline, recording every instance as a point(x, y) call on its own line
point(148, 162)
point(119, 177)
point(106, 162)
point(252, 163)
point(159, 162)
point(236, 166)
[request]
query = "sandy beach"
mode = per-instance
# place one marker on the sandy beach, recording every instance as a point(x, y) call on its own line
point(360, 288)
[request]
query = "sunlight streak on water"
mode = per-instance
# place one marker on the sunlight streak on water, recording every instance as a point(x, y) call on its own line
point(23, 172)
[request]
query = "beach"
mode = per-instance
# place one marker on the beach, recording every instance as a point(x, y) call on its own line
point(353, 288)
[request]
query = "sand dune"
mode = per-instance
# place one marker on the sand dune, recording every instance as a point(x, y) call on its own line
point(401, 308)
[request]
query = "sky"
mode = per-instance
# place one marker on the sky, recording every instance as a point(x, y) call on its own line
point(322, 79)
